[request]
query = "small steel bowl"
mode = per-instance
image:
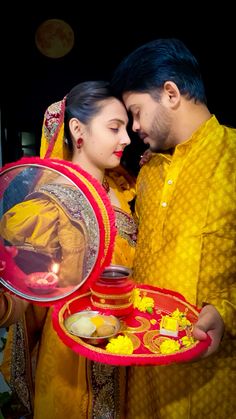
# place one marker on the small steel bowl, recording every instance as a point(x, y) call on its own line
point(88, 314)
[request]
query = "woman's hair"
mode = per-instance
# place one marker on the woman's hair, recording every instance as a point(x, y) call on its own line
point(147, 68)
point(84, 102)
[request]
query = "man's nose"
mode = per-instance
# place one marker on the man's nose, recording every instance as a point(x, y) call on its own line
point(135, 126)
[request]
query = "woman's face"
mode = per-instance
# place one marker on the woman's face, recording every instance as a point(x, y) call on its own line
point(105, 138)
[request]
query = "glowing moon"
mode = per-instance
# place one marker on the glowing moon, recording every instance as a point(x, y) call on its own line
point(54, 38)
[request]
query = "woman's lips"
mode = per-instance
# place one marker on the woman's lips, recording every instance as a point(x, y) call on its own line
point(118, 154)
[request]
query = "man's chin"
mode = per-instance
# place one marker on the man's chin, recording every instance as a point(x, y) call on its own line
point(161, 149)
point(155, 148)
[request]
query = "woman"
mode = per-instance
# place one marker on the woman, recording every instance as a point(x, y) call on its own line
point(88, 127)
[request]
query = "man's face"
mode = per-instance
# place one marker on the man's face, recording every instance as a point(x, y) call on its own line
point(151, 119)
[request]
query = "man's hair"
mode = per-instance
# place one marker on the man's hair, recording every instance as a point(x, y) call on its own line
point(148, 67)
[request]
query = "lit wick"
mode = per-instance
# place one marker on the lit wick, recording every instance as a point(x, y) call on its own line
point(55, 268)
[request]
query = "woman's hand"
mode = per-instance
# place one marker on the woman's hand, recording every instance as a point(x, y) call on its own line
point(2, 302)
point(145, 157)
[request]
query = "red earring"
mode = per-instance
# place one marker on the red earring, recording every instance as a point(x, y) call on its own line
point(79, 143)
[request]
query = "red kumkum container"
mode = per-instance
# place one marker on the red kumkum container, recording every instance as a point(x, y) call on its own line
point(111, 293)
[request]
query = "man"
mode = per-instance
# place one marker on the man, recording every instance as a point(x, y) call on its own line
point(186, 242)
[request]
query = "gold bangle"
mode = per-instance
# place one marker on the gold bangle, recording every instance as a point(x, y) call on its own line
point(8, 313)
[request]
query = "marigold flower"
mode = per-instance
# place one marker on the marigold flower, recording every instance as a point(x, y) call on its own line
point(169, 346)
point(135, 297)
point(120, 345)
point(141, 303)
point(181, 317)
point(187, 340)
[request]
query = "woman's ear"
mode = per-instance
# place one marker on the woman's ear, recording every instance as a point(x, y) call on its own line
point(172, 94)
point(76, 128)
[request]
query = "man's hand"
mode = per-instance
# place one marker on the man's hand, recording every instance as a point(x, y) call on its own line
point(209, 322)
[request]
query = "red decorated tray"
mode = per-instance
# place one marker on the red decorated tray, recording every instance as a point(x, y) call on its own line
point(153, 343)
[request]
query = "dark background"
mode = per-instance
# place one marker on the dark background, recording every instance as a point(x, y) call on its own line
point(104, 34)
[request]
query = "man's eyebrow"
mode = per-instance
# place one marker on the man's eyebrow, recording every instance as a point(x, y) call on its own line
point(131, 108)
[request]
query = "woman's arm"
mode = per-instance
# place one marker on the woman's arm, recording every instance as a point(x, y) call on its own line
point(12, 309)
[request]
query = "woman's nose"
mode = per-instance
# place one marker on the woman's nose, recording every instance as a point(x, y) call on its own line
point(126, 139)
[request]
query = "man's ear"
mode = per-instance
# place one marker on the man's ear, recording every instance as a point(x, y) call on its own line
point(172, 94)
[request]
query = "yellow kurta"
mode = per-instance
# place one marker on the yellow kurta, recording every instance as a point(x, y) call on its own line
point(186, 242)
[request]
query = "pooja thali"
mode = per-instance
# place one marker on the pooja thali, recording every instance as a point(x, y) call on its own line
point(157, 336)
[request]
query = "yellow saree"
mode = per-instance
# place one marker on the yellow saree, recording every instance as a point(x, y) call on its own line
point(68, 385)
point(65, 383)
